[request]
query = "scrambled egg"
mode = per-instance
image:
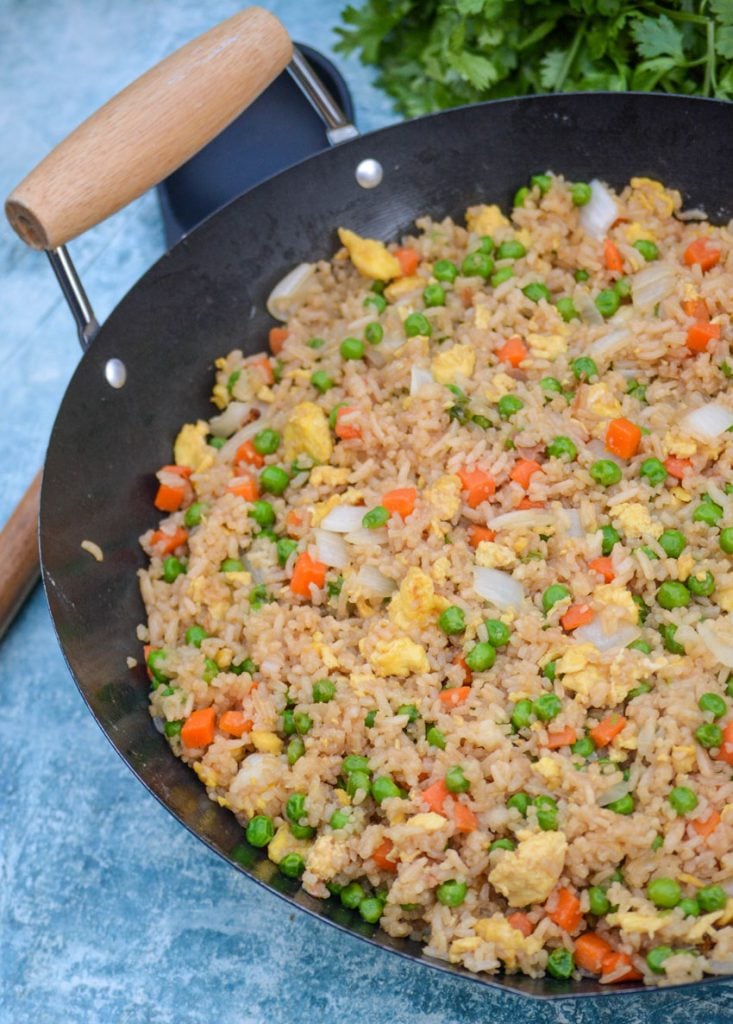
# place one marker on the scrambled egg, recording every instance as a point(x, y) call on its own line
point(704, 925)
point(494, 556)
point(725, 599)
point(500, 384)
point(653, 196)
point(636, 232)
point(617, 599)
point(451, 363)
point(547, 346)
point(635, 922)
point(429, 822)
point(445, 496)
point(283, 843)
point(307, 433)
point(207, 775)
point(635, 518)
point(482, 315)
point(579, 675)
point(530, 873)
point(415, 603)
point(508, 941)
point(223, 657)
point(370, 257)
point(484, 220)
point(684, 759)
point(321, 510)
point(266, 742)
point(401, 657)
point(440, 569)
point(485, 734)
point(600, 402)
point(323, 651)
point(190, 448)
point(549, 770)
point(332, 476)
point(681, 494)
point(459, 947)
point(403, 286)
point(327, 857)
point(675, 443)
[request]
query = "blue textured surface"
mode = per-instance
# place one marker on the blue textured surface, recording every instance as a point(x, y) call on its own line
point(109, 911)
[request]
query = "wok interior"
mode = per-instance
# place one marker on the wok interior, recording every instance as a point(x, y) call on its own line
point(208, 295)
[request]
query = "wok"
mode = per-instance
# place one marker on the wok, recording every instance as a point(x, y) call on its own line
point(207, 296)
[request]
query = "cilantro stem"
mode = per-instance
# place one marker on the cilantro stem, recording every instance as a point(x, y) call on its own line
point(693, 19)
point(709, 84)
point(570, 58)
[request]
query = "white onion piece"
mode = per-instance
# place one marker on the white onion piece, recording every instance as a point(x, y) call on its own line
point(370, 578)
point(332, 550)
point(610, 344)
point(595, 634)
point(695, 214)
point(616, 792)
point(587, 308)
point(717, 635)
point(597, 216)
point(419, 379)
point(363, 538)
point(500, 588)
point(159, 724)
point(574, 526)
point(719, 966)
point(708, 422)
point(526, 519)
point(245, 433)
point(344, 518)
point(285, 295)
point(230, 420)
point(651, 285)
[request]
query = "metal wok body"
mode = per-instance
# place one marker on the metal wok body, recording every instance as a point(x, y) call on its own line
point(208, 295)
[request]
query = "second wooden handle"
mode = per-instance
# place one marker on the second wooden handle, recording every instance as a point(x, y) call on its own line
point(19, 554)
point(149, 129)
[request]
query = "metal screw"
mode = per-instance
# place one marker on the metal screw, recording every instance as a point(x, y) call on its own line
point(116, 373)
point(369, 173)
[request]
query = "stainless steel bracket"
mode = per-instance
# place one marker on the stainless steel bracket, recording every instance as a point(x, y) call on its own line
point(76, 298)
point(338, 127)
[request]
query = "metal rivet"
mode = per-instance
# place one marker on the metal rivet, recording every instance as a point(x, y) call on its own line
point(369, 173)
point(116, 373)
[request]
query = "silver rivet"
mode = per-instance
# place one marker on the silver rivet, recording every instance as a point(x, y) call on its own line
point(369, 173)
point(116, 373)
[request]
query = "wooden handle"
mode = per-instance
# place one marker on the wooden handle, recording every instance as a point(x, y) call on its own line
point(149, 129)
point(19, 554)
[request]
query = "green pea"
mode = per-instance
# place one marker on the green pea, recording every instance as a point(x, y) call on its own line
point(274, 480)
point(288, 725)
point(258, 596)
point(500, 276)
point(216, 442)
point(726, 540)
point(211, 670)
point(711, 897)
point(369, 719)
point(260, 830)
point(562, 447)
point(673, 594)
point(701, 584)
point(566, 309)
point(172, 568)
point(384, 788)
point(371, 909)
point(610, 538)
point(456, 781)
point(452, 620)
point(605, 472)
point(636, 389)
point(580, 193)
point(302, 831)
point(642, 606)
point(357, 781)
point(648, 249)
point(551, 386)
point(296, 749)
point(481, 657)
point(689, 907)
point(522, 714)
point(640, 645)
point(245, 666)
point(195, 634)
point(433, 295)
point(355, 763)
point(266, 442)
point(664, 892)
point(520, 195)
point(445, 270)
point(584, 368)
point(713, 703)
point(324, 690)
point(377, 302)
point(599, 902)
point(667, 632)
point(546, 807)
point(410, 710)
point(683, 800)
point(657, 843)
point(292, 865)
point(334, 587)
point(451, 893)
point(607, 302)
point(637, 691)
point(707, 512)
point(435, 738)
point(581, 275)
point(339, 819)
point(231, 565)
point(195, 513)
point(351, 895)
point(477, 264)
point(554, 593)
point(625, 805)
point(374, 333)
point(172, 729)
point(486, 245)
point(536, 291)
point(709, 735)
point(673, 543)
point(547, 707)
point(303, 722)
point(232, 380)
point(560, 962)
point(502, 844)
point(321, 381)
point(729, 686)
point(417, 324)
point(285, 547)
point(316, 343)
point(375, 518)
point(511, 250)
point(583, 747)
point(352, 348)
point(655, 958)
point(508, 405)
point(295, 807)
point(653, 471)
point(263, 513)
point(520, 802)
point(622, 287)
point(542, 182)
point(498, 632)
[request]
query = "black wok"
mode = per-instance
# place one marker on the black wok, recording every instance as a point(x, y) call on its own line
point(208, 295)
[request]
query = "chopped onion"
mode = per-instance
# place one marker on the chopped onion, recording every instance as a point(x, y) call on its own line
point(419, 379)
point(651, 285)
point(344, 518)
point(332, 550)
point(597, 216)
point(159, 724)
point(284, 297)
point(695, 214)
point(587, 308)
point(708, 422)
point(717, 635)
point(614, 793)
point(526, 519)
point(574, 525)
point(500, 588)
point(245, 433)
point(230, 420)
point(363, 538)
point(595, 634)
point(610, 344)
point(370, 578)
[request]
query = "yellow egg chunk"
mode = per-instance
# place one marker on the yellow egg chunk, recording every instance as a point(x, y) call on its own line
point(508, 941)
point(190, 448)
point(530, 873)
point(401, 657)
point(307, 433)
point(458, 361)
point(370, 257)
point(445, 496)
point(415, 603)
point(485, 219)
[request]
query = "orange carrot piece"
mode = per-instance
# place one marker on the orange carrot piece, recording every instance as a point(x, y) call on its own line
point(246, 487)
point(293, 520)
point(607, 729)
point(460, 660)
point(248, 453)
point(454, 695)
point(464, 818)
point(400, 502)
point(726, 751)
point(612, 258)
point(467, 297)
point(169, 499)
point(567, 913)
point(525, 503)
point(604, 567)
point(623, 438)
point(701, 252)
point(477, 534)
point(576, 615)
point(677, 467)
point(147, 648)
point(696, 308)
point(184, 471)
point(521, 922)
point(701, 334)
point(306, 572)
point(380, 856)
point(590, 951)
point(479, 484)
point(198, 729)
point(513, 351)
point(263, 364)
point(523, 471)
point(409, 260)
point(346, 431)
point(435, 795)
point(706, 826)
point(166, 543)
point(614, 960)
point(561, 738)
point(277, 338)
point(235, 724)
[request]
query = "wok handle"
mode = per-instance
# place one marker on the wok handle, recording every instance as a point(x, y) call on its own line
point(19, 554)
point(148, 130)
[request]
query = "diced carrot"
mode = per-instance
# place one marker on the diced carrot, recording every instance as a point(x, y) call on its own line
point(703, 253)
point(525, 503)
point(306, 572)
point(566, 913)
point(477, 534)
point(622, 438)
point(464, 818)
point(454, 695)
point(434, 796)
point(248, 453)
point(265, 366)
point(561, 738)
point(467, 297)
point(169, 499)
point(607, 729)
point(293, 519)
point(401, 501)
point(706, 826)
point(513, 351)
point(460, 660)
point(246, 487)
point(183, 471)
point(576, 615)
point(696, 308)
point(612, 258)
point(147, 648)
point(479, 484)
point(346, 431)
point(198, 729)
point(380, 856)
point(614, 960)
point(726, 750)
point(677, 467)
point(590, 951)
point(523, 471)
point(235, 724)
point(166, 543)
point(701, 334)
point(409, 260)
point(604, 567)
point(521, 922)
point(277, 338)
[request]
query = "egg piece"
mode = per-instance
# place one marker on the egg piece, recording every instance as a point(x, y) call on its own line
point(482, 315)
point(429, 821)
point(636, 232)
point(600, 402)
point(635, 922)
point(575, 659)
point(307, 433)
point(684, 759)
point(725, 599)
point(653, 196)
point(403, 286)
point(370, 257)
point(330, 476)
point(283, 843)
point(500, 385)
point(459, 947)
point(634, 518)
point(440, 569)
point(207, 775)
point(704, 926)
point(266, 742)
point(549, 770)
point(327, 856)
point(190, 448)
point(508, 941)
point(485, 734)
point(547, 346)
point(530, 873)
point(484, 219)
point(675, 443)
point(323, 651)
point(401, 657)
point(494, 556)
point(613, 597)
point(452, 363)
point(415, 603)
point(445, 496)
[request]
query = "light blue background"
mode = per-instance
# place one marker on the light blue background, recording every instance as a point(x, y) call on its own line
point(110, 913)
